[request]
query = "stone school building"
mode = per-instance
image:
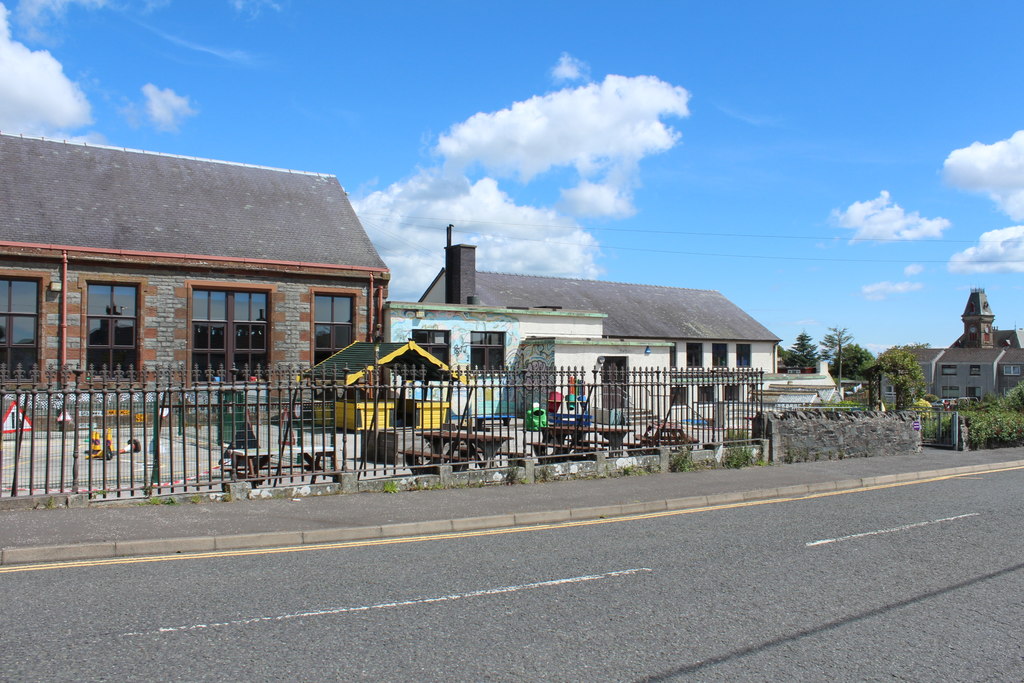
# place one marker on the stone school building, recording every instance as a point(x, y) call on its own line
point(113, 258)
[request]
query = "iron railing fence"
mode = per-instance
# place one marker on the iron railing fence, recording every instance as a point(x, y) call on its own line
point(133, 433)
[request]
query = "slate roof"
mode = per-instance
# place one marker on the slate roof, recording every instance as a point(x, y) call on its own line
point(956, 355)
point(926, 355)
point(641, 311)
point(76, 195)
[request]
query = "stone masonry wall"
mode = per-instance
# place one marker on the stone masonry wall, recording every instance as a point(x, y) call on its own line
point(808, 435)
point(163, 306)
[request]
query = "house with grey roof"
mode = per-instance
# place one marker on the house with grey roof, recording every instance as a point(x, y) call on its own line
point(122, 258)
point(482, 319)
point(982, 360)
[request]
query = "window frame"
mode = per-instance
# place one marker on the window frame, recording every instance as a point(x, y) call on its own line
point(231, 326)
point(441, 350)
point(484, 343)
point(28, 351)
point(338, 329)
point(744, 352)
point(719, 355)
point(695, 350)
point(947, 370)
point(111, 316)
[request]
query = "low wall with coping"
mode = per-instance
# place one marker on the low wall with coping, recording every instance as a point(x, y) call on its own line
point(809, 435)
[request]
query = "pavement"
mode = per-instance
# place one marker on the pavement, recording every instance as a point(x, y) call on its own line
point(45, 535)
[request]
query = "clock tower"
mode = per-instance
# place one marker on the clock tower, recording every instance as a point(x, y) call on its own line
point(978, 320)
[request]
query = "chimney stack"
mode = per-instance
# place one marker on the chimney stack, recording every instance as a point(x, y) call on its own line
point(459, 273)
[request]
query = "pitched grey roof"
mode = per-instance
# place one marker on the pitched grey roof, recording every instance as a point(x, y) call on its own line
point(644, 311)
point(955, 355)
point(926, 355)
point(85, 196)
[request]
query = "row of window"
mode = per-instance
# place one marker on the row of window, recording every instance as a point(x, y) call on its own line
point(719, 355)
point(486, 349)
point(228, 328)
point(975, 370)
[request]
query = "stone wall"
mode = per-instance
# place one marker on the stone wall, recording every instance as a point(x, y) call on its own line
point(808, 435)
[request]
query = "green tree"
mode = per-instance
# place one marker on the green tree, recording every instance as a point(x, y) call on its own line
point(803, 353)
point(899, 366)
point(856, 359)
point(832, 347)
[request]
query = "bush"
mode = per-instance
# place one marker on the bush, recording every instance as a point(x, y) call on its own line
point(994, 428)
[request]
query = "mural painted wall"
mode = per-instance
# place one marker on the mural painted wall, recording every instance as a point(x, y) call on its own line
point(460, 326)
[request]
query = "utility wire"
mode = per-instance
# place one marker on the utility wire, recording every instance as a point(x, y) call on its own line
point(441, 223)
point(763, 257)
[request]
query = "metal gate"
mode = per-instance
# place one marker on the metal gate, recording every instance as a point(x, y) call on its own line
point(940, 428)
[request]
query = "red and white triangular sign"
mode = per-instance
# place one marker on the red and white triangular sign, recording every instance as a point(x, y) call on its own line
point(11, 421)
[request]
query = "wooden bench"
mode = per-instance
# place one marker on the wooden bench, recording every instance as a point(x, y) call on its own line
point(319, 462)
point(481, 420)
point(247, 465)
point(418, 458)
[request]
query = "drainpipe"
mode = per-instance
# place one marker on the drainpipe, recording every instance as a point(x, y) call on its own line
point(369, 310)
point(380, 310)
point(62, 357)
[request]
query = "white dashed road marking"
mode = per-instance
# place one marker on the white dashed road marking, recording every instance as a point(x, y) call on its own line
point(879, 532)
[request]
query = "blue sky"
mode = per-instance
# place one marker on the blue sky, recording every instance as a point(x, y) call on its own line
point(858, 165)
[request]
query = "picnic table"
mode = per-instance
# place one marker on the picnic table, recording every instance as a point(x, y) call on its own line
point(667, 434)
point(458, 446)
point(256, 465)
point(566, 439)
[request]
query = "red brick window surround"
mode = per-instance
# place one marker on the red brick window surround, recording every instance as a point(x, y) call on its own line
point(19, 322)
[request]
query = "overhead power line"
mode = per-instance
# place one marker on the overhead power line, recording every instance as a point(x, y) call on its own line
point(440, 223)
point(765, 257)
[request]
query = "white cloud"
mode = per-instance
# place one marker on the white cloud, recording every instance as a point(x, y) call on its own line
point(597, 199)
point(998, 251)
point(996, 170)
point(34, 15)
point(570, 69)
point(593, 128)
point(913, 269)
point(881, 219)
point(166, 109)
point(511, 238)
point(600, 131)
point(36, 97)
point(254, 7)
point(883, 290)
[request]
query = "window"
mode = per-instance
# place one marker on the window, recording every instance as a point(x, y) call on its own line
point(743, 355)
point(1011, 369)
point(434, 342)
point(706, 394)
point(732, 392)
point(975, 370)
point(229, 330)
point(332, 317)
point(679, 396)
point(974, 392)
point(19, 318)
point(719, 355)
point(948, 369)
point(487, 349)
point(694, 355)
point(112, 326)
point(950, 392)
